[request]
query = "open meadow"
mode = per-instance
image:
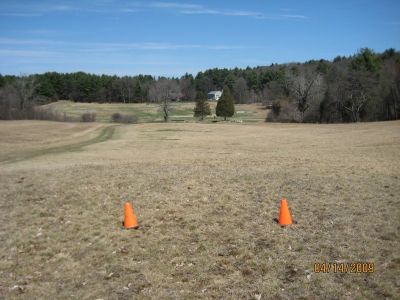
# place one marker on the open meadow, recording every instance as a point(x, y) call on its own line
point(206, 196)
point(151, 112)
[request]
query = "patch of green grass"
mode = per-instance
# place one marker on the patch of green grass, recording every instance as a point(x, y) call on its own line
point(170, 129)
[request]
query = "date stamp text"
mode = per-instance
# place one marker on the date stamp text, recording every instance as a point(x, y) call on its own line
point(359, 267)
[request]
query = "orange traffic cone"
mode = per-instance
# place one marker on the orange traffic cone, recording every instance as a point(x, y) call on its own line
point(284, 214)
point(130, 217)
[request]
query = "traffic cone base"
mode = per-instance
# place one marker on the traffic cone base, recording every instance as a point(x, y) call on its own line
point(130, 221)
point(285, 217)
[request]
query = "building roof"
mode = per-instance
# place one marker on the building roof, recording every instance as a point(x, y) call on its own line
point(214, 92)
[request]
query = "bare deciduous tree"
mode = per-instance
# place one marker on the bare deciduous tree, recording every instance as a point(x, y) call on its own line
point(240, 90)
point(125, 87)
point(163, 91)
point(353, 97)
point(266, 98)
point(17, 99)
point(187, 88)
point(305, 87)
point(25, 87)
point(8, 102)
point(390, 87)
point(355, 102)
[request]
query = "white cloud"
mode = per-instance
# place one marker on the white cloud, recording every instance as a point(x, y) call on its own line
point(237, 13)
point(242, 13)
point(19, 14)
point(287, 10)
point(101, 47)
point(35, 10)
point(197, 9)
point(56, 8)
point(25, 53)
point(8, 41)
point(129, 10)
point(174, 5)
point(292, 16)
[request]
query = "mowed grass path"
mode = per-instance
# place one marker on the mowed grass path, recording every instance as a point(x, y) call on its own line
point(150, 112)
point(42, 143)
point(206, 196)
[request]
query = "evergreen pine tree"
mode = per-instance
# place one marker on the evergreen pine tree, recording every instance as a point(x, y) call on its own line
point(202, 107)
point(225, 106)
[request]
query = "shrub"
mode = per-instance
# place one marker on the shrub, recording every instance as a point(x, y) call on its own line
point(88, 117)
point(116, 117)
point(287, 113)
point(276, 108)
point(129, 119)
point(120, 118)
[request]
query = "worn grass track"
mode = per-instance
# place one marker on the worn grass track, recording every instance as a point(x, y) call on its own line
point(105, 134)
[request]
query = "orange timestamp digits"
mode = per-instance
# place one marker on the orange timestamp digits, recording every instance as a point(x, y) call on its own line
point(360, 267)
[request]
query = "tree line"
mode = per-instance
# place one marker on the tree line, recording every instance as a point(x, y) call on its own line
point(361, 87)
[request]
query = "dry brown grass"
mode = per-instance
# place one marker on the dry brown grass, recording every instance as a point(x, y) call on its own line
point(206, 196)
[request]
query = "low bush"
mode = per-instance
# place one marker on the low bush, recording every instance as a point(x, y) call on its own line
point(283, 111)
point(276, 108)
point(88, 117)
point(120, 118)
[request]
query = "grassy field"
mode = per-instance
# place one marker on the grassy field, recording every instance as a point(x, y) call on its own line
point(206, 196)
point(150, 112)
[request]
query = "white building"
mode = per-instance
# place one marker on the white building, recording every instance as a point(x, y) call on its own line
point(214, 95)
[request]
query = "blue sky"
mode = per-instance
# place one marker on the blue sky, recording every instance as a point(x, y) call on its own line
point(173, 37)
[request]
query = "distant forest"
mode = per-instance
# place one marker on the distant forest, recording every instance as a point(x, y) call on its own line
point(361, 87)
